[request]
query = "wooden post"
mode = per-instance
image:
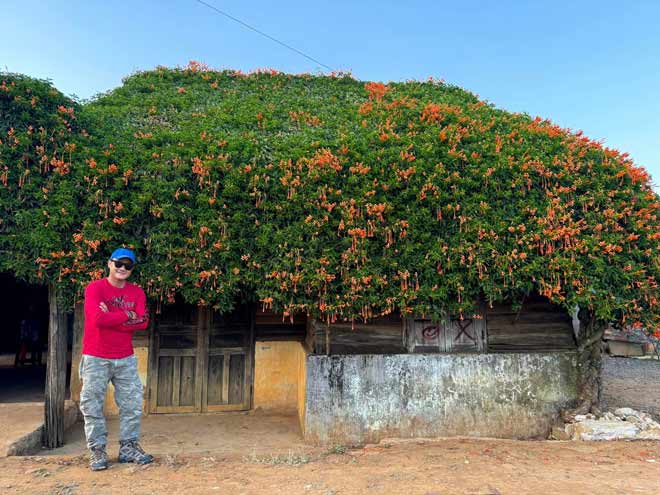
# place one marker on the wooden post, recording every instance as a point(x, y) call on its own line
point(327, 339)
point(53, 434)
point(152, 373)
point(204, 322)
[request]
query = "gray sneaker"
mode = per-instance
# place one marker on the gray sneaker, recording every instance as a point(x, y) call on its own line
point(98, 458)
point(130, 451)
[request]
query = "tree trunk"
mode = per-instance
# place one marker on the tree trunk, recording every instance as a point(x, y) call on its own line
point(53, 435)
point(589, 362)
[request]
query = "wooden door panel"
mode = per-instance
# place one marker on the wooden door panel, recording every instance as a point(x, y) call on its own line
point(165, 377)
point(236, 378)
point(466, 335)
point(215, 379)
point(176, 383)
point(447, 335)
point(187, 381)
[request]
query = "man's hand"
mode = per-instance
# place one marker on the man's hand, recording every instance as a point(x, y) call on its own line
point(103, 307)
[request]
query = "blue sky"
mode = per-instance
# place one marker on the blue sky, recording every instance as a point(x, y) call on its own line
point(590, 65)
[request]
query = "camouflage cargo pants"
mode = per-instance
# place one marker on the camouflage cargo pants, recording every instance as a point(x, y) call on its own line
point(95, 374)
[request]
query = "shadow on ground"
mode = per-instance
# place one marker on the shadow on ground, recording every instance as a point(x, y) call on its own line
point(224, 434)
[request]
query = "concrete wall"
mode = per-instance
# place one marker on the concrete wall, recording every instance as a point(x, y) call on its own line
point(25, 426)
point(365, 398)
point(629, 382)
point(276, 376)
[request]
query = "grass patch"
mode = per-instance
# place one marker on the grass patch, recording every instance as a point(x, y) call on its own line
point(289, 459)
point(337, 450)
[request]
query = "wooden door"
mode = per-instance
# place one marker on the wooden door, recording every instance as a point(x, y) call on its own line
point(176, 361)
point(201, 361)
point(228, 383)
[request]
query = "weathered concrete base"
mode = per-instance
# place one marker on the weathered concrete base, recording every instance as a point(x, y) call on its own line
point(364, 398)
point(30, 443)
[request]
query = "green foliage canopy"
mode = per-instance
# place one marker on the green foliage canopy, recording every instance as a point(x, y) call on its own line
point(341, 199)
point(38, 134)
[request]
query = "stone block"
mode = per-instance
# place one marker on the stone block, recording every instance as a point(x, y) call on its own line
point(651, 434)
point(605, 430)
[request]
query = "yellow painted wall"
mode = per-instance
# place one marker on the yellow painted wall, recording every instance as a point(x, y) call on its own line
point(277, 376)
point(75, 386)
point(142, 354)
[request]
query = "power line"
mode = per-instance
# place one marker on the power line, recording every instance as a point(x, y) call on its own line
point(263, 34)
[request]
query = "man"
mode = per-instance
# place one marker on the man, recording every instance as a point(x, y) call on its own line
point(114, 309)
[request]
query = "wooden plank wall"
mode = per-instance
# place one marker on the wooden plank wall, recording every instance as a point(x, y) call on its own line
point(271, 326)
point(538, 326)
point(383, 335)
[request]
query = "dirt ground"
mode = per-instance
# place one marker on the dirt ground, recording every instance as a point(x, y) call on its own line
point(203, 435)
point(424, 467)
point(256, 453)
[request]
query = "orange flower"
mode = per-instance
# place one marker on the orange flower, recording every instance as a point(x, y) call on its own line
point(366, 108)
point(65, 110)
point(376, 90)
point(358, 232)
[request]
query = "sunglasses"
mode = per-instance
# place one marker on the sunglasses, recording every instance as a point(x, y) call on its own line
point(123, 264)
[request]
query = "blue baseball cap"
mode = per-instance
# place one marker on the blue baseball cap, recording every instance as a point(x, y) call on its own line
point(120, 253)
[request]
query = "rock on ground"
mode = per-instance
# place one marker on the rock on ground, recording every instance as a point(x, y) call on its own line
point(623, 423)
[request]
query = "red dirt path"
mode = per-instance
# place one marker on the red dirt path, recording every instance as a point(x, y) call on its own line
point(431, 467)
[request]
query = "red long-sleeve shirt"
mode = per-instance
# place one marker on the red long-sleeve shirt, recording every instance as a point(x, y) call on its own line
point(110, 335)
